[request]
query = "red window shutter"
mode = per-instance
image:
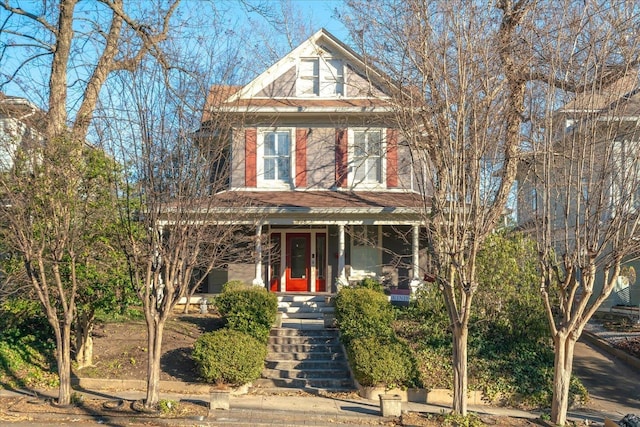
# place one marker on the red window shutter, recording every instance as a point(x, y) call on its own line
point(392, 158)
point(301, 157)
point(250, 154)
point(342, 157)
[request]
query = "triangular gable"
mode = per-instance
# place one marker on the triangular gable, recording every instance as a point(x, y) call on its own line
point(606, 97)
point(279, 80)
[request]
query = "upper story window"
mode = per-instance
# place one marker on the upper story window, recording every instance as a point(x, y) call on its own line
point(274, 158)
point(320, 77)
point(367, 159)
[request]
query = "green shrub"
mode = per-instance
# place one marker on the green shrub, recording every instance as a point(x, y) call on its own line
point(362, 312)
point(234, 285)
point(458, 420)
point(229, 357)
point(20, 317)
point(27, 346)
point(434, 367)
point(370, 283)
point(378, 362)
point(251, 310)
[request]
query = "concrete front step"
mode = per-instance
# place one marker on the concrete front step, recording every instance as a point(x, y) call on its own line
point(305, 309)
point(303, 339)
point(308, 356)
point(304, 348)
point(302, 306)
point(278, 357)
point(295, 332)
point(335, 373)
point(303, 315)
point(307, 364)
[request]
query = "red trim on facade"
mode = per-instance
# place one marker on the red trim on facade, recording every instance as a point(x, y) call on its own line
point(392, 158)
point(342, 157)
point(250, 157)
point(301, 157)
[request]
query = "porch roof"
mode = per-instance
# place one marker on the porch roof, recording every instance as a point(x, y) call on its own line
point(309, 207)
point(327, 199)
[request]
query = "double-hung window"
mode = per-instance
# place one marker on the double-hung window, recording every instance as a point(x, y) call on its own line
point(277, 156)
point(320, 77)
point(274, 159)
point(367, 158)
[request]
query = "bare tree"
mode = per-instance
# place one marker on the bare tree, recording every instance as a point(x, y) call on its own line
point(459, 103)
point(51, 39)
point(584, 175)
point(178, 222)
point(466, 78)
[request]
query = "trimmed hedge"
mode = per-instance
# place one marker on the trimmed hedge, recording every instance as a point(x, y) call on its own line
point(365, 318)
point(251, 310)
point(386, 362)
point(229, 357)
point(363, 312)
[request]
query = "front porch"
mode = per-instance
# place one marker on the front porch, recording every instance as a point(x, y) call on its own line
point(317, 241)
point(321, 258)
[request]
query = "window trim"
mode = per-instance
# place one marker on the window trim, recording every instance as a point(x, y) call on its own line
point(323, 78)
point(365, 184)
point(275, 183)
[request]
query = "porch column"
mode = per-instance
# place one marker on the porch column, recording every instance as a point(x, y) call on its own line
point(415, 263)
point(342, 277)
point(258, 279)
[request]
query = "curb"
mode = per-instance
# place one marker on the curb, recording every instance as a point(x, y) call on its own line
point(604, 345)
point(102, 384)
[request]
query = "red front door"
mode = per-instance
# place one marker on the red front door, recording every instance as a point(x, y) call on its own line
point(298, 270)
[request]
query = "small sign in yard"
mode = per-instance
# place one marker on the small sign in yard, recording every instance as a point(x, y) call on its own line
point(400, 297)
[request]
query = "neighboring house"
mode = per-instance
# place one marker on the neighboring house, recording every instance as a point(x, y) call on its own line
point(610, 119)
point(19, 120)
point(326, 181)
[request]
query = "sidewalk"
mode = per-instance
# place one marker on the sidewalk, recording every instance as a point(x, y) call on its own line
point(275, 409)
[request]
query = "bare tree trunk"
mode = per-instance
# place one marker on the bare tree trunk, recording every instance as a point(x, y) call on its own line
point(185, 310)
point(153, 370)
point(84, 340)
point(564, 345)
point(63, 358)
point(460, 383)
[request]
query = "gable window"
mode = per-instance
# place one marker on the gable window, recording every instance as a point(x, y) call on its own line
point(274, 157)
point(320, 77)
point(367, 160)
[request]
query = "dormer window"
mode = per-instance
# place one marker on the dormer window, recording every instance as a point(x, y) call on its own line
point(320, 77)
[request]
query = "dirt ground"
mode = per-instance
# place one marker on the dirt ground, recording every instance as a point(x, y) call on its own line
point(120, 349)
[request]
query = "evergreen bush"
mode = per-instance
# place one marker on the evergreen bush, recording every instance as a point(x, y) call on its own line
point(385, 362)
point(229, 357)
point(362, 312)
point(251, 310)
